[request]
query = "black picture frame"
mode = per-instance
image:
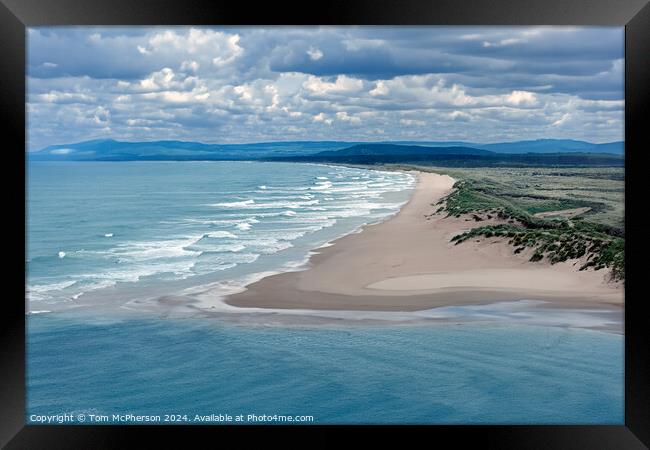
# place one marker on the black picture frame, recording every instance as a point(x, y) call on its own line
point(16, 15)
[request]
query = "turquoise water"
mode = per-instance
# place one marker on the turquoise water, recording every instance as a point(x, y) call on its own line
point(445, 373)
point(104, 239)
point(98, 225)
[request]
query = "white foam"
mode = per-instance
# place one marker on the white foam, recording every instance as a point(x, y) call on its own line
point(252, 204)
point(352, 189)
point(58, 285)
point(234, 204)
point(109, 235)
point(268, 244)
point(244, 226)
point(322, 186)
point(220, 234)
point(133, 272)
point(38, 292)
point(205, 221)
point(61, 255)
point(225, 248)
point(149, 250)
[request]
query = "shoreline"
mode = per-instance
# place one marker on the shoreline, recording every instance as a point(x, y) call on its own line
point(407, 263)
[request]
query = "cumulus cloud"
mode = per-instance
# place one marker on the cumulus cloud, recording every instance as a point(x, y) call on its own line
point(223, 48)
point(320, 117)
point(314, 53)
point(229, 84)
point(341, 85)
point(191, 66)
point(65, 97)
point(380, 89)
point(522, 98)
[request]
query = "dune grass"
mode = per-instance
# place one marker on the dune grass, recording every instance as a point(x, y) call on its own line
point(515, 195)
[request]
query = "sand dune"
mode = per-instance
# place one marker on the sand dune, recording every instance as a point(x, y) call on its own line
point(408, 263)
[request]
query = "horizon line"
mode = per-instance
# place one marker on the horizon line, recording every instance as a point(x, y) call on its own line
point(323, 140)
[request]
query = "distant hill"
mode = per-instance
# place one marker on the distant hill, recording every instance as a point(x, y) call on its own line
point(530, 146)
point(112, 150)
point(452, 157)
point(401, 150)
point(555, 146)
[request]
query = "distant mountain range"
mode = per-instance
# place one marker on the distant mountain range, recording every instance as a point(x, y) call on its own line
point(112, 150)
point(453, 157)
point(520, 152)
point(400, 150)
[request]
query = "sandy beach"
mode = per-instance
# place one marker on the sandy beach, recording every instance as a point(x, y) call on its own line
point(408, 263)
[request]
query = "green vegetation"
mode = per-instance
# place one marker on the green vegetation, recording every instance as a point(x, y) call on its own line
point(560, 243)
point(537, 190)
point(595, 234)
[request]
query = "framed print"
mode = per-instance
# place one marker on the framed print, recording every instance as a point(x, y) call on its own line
point(381, 216)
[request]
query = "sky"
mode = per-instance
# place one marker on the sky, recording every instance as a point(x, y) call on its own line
point(259, 84)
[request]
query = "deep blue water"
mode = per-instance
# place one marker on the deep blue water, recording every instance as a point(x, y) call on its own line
point(442, 373)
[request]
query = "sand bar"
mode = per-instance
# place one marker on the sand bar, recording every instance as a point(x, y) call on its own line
point(408, 263)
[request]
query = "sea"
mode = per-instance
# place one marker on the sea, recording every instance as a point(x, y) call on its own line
point(107, 240)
